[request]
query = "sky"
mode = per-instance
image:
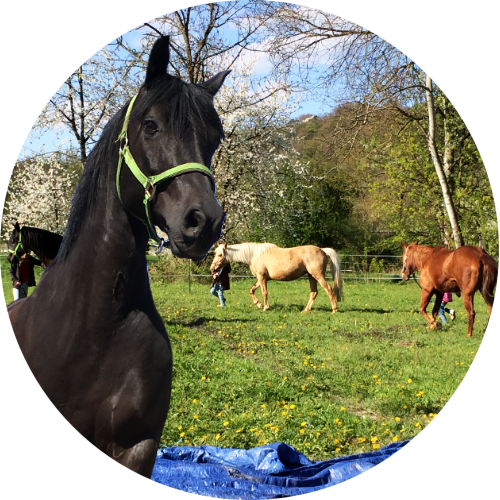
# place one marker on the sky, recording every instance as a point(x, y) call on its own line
point(52, 140)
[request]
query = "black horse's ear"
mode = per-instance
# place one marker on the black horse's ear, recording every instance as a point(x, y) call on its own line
point(17, 227)
point(212, 85)
point(158, 59)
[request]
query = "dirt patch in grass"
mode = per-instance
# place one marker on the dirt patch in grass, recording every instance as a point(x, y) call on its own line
point(404, 343)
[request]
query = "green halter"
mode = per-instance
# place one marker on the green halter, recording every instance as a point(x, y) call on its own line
point(149, 183)
point(19, 245)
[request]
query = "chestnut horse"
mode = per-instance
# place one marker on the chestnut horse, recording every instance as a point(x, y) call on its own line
point(270, 262)
point(90, 331)
point(466, 269)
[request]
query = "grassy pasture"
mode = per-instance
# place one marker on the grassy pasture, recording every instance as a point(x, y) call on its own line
point(327, 384)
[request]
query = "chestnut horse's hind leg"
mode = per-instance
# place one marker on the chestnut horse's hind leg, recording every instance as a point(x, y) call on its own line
point(131, 470)
point(313, 284)
point(17, 480)
point(471, 314)
point(425, 297)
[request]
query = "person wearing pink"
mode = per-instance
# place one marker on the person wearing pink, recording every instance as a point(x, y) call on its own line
point(447, 298)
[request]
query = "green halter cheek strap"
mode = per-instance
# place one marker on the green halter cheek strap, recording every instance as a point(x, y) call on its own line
point(149, 183)
point(19, 245)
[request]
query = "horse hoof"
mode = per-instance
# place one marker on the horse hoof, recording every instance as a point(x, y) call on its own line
point(259, 306)
point(439, 326)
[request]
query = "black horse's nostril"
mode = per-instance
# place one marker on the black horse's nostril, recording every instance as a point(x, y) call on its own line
point(195, 219)
point(195, 223)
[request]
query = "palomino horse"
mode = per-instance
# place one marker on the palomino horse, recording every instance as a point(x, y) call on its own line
point(44, 244)
point(466, 269)
point(90, 331)
point(270, 262)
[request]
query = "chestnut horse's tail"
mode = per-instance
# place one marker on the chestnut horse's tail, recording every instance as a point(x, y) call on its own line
point(490, 273)
point(335, 270)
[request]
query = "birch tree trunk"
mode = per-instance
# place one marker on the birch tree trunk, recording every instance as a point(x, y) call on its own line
point(431, 132)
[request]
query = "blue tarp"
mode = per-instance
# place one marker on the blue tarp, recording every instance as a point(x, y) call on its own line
point(447, 463)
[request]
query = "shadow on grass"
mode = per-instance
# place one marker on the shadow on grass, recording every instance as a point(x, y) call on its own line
point(205, 322)
point(377, 310)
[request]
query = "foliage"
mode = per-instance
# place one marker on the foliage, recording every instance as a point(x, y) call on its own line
point(39, 194)
point(398, 55)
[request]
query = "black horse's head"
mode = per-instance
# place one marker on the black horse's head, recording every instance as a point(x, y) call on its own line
point(174, 123)
point(409, 266)
point(13, 242)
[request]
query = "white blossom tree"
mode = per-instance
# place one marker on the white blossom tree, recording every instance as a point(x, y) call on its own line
point(64, 66)
point(39, 194)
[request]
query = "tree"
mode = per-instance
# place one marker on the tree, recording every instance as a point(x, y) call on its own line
point(39, 194)
point(254, 111)
point(65, 66)
point(399, 54)
point(207, 38)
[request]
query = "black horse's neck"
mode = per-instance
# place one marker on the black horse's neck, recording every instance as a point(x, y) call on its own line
point(104, 247)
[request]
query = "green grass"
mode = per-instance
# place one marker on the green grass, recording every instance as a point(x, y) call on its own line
point(327, 384)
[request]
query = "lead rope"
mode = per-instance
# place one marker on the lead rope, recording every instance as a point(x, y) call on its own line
point(149, 183)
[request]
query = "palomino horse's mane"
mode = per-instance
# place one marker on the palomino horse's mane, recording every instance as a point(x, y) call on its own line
point(245, 252)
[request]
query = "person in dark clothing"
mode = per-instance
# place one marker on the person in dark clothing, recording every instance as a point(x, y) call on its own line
point(22, 274)
point(220, 282)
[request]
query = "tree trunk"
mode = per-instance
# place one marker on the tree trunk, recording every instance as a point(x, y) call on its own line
point(431, 143)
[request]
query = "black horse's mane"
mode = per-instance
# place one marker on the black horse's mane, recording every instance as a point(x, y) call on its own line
point(186, 104)
point(45, 242)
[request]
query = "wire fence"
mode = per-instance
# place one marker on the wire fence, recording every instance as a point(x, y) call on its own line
point(362, 268)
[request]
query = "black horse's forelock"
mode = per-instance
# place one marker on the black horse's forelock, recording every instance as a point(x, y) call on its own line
point(187, 105)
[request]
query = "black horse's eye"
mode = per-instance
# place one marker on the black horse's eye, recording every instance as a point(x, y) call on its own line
point(150, 127)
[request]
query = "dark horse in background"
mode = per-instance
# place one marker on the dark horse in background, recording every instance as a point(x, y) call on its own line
point(44, 244)
point(90, 331)
point(467, 269)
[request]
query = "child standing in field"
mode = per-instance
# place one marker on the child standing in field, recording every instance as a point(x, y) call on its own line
point(220, 282)
point(22, 274)
point(447, 298)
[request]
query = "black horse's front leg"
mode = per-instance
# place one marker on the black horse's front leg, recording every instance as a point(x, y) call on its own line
point(131, 470)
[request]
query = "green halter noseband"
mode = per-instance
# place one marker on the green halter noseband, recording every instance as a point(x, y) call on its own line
point(19, 245)
point(149, 183)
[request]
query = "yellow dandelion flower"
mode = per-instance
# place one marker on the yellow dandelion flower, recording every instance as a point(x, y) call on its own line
point(374, 439)
point(203, 378)
point(376, 446)
point(409, 380)
point(292, 407)
point(195, 416)
point(182, 434)
point(301, 431)
point(226, 423)
point(195, 401)
point(397, 419)
point(217, 437)
point(361, 440)
point(303, 424)
point(342, 408)
point(395, 438)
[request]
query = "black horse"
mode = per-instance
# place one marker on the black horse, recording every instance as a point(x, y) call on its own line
point(44, 244)
point(90, 331)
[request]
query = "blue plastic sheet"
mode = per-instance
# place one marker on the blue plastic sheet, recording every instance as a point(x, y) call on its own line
point(447, 463)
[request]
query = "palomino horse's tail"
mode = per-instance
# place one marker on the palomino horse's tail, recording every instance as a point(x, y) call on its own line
point(490, 273)
point(335, 270)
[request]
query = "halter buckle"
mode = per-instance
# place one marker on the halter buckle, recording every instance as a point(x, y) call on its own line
point(150, 189)
point(160, 246)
